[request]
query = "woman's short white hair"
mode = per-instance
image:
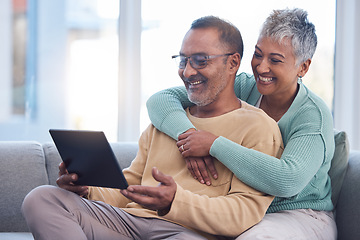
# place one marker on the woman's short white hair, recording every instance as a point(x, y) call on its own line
point(292, 24)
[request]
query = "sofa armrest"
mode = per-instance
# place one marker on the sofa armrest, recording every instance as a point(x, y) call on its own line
point(348, 209)
point(22, 168)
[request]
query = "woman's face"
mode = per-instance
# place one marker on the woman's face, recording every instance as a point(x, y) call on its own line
point(274, 68)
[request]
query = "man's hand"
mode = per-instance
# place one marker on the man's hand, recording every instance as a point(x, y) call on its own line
point(198, 168)
point(66, 181)
point(157, 198)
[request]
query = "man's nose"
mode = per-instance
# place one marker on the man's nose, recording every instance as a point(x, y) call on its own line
point(189, 70)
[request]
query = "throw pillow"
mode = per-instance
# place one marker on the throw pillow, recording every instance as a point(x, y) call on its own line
point(339, 164)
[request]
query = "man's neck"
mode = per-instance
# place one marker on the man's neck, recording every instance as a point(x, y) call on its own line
point(216, 108)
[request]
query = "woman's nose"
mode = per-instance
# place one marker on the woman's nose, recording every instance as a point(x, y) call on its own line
point(263, 67)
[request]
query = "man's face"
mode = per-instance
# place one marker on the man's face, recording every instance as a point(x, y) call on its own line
point(204, 85)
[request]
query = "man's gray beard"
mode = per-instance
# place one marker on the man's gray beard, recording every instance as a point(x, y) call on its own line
point(200, 102)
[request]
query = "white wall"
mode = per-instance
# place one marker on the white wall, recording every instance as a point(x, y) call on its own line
point(347, 66)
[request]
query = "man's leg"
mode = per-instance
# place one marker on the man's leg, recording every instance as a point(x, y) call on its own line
point(54, 213)
point(298, 224)
point(158, 229)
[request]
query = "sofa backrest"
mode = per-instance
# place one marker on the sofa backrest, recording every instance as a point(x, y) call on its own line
point(26, 165)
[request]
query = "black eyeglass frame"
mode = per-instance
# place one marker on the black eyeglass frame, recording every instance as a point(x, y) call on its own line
point(206, 58)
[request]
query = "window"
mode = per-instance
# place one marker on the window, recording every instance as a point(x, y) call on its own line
point(61, 69)
point(65, 63)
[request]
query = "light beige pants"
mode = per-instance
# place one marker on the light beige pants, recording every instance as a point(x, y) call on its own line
point(300, 224)
point(56, 214)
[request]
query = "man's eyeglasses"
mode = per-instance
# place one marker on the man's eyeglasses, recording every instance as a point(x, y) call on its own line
point(196, 61)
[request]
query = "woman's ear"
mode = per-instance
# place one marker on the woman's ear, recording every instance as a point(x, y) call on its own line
point(304, 67)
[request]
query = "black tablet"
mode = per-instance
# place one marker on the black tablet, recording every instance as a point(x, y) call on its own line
point(89, 155)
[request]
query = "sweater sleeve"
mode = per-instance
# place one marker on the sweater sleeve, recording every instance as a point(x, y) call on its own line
point(166, 111)
point(133, 175)
point(202, 212)
point(166, 108)
point(301, 159)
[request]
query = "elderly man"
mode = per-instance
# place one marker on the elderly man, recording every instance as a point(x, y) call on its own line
point(163, 200)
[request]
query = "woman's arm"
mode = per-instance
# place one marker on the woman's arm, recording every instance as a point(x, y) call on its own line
point(166, 111)
point(166, 108)
point(284, 177)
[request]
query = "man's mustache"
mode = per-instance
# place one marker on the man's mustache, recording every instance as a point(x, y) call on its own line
point(197, 77)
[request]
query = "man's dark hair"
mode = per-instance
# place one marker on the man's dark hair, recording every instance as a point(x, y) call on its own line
point(229, 34)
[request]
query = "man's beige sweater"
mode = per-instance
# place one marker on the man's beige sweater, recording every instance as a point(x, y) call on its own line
point(227, 207)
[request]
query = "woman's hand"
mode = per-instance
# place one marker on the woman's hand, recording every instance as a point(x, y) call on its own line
point(195, 147)
point(198, 168)
point(195, 143)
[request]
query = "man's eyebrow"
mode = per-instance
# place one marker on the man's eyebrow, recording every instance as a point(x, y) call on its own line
point(198, 53)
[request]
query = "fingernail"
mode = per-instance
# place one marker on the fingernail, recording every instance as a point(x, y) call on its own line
point(215, 176)
point(202, 181)
point(208, 183)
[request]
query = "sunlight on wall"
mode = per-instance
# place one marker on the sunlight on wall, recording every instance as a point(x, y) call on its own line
point(93, 68)
point(92, 85)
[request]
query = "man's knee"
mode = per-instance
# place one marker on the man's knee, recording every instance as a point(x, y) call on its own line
point(33, 198)
point(38, 198)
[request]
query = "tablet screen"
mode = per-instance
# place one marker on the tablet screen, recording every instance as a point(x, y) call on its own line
point(90, 156)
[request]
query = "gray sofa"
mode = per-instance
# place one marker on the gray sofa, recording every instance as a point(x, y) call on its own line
point(25, 165)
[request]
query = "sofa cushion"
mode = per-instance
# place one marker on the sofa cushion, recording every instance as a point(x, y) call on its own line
point(338, 164)
point(22, 168)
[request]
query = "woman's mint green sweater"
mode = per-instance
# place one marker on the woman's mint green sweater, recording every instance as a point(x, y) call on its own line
point(299, 179)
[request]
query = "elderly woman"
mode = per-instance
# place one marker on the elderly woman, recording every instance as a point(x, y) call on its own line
point(299, 179)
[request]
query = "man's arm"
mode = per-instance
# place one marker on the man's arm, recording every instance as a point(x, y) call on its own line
point(133, 175)
point(228, 215)
point(238, 209)
point(157, 198)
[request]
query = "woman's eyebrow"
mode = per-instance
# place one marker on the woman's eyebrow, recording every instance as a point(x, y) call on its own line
point(276, 54)
point(258, 48)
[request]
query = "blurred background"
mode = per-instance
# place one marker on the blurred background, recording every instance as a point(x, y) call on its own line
point(92, 64)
